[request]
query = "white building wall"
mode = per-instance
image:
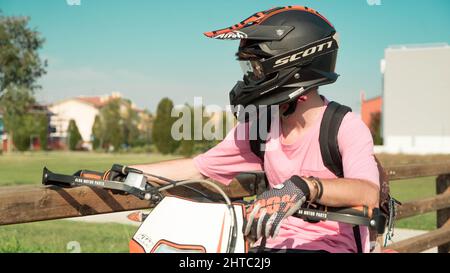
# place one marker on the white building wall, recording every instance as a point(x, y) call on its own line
point(416, 100)
point(83, 114)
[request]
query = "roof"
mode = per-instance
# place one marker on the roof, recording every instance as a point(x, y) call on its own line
point(94, 101)
point(418, 46)
point(372, 99)
point(100, 101)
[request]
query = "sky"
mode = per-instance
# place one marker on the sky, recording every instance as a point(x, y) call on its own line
point(148, 50)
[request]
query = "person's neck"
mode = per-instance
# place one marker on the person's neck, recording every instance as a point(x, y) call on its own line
point(305, 114)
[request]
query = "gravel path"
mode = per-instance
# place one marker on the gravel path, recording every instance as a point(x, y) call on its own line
point(402, 234)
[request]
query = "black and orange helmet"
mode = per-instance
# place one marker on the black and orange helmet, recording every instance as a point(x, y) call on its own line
point(284, 52)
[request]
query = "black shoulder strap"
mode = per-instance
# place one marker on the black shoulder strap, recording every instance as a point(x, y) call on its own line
point(329, 148)
point(257, 144)
point(329, 128)
point(358, 242)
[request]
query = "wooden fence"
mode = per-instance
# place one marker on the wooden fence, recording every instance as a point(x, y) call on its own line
point(440, 237)
point(23, 204)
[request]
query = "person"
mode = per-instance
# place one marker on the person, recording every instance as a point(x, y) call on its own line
point(286, 54)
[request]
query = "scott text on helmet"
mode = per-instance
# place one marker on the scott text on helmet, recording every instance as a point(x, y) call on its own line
point(302, 54)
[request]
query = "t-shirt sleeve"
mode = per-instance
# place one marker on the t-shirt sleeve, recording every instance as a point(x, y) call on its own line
point(356, 147)
point(230, 157)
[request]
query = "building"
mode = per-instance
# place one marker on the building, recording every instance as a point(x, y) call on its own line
point(83, 111)
point(369, 108)
point(6, 142)
point(416, 95)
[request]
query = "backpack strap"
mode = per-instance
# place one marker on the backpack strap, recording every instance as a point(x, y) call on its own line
point(329, 148)
point(357, 235)
point(329, 128)
point(257, 144)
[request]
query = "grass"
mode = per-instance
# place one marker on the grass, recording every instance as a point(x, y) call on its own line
point(63, 236)
point(413, 189)
point(26, 168)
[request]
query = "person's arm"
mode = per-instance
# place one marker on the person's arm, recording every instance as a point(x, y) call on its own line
point(343, 192)
point(360, 187)
point(178, 169)
point(220, 164)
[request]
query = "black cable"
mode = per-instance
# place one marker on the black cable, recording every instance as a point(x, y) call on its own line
point(173, 182)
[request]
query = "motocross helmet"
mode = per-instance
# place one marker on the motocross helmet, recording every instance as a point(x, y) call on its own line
point(284, 52)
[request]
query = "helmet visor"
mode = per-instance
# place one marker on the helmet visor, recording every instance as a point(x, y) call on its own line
point(252, 70)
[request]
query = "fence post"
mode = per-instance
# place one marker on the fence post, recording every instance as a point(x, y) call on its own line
point(443, 215)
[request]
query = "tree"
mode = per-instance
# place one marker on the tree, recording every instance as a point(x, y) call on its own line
point(145, 125)
point(190, 144)
point(375, 128)
point(28, 125)
point(23, 133)
point(161, 134)
point(20, 67)
point(19, 60)
point(111, 125)
point(130, 121)
point(97, 137)
point(16, 104)
point(205, 143)
point(187, 146)
point(74, 135)
point(116, 126)
point(42, 130)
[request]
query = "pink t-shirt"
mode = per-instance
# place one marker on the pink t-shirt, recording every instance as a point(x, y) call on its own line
point(302, 158)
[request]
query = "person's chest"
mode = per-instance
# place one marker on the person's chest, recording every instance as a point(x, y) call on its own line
point(283, 159)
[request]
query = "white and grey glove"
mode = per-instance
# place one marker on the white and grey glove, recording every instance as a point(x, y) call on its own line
point(272, 206)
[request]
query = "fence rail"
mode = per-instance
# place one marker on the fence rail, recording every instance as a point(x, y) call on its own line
point(413, 208)
point(441, 204)
point(23, 204)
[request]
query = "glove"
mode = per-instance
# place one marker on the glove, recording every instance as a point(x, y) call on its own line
point(272, 206)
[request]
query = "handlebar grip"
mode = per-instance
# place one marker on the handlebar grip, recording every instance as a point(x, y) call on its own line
point(49, 178)
point(362, 211)
point(359, 215)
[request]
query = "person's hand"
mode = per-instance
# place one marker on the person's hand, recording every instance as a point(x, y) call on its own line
point(272, 206)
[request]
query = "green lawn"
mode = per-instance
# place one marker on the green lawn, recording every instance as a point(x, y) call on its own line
point(26, 168)
point(62, 236)
point(413, 189)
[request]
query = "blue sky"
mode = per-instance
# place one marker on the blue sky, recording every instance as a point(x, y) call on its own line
point(148, 50)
